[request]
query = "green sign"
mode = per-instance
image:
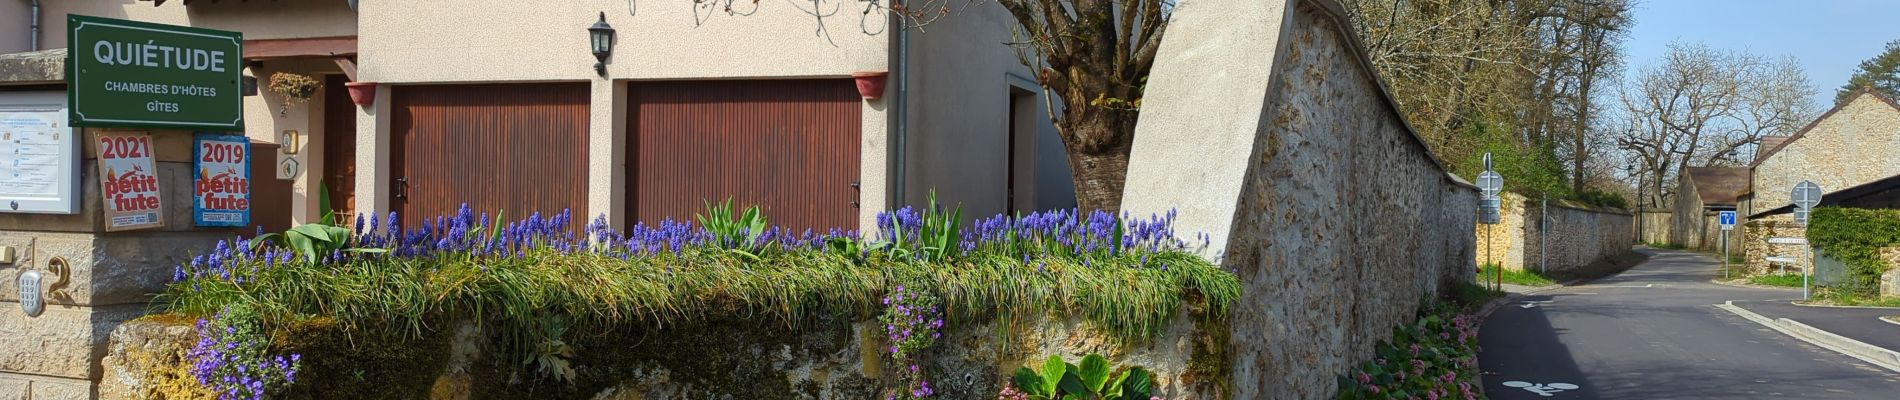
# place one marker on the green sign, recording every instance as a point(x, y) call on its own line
point(142, 75)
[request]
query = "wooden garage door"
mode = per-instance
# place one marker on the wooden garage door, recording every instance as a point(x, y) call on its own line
point(789, 146)
point(521, 148)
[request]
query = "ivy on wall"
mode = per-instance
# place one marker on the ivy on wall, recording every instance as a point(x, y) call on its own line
point(1855, 236)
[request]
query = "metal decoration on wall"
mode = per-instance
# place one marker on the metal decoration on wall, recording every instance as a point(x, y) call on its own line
point(287, 169)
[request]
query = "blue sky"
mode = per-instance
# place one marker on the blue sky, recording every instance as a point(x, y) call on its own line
point(1828, 37)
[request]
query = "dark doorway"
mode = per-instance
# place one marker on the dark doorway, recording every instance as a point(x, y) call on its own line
point(339, 148)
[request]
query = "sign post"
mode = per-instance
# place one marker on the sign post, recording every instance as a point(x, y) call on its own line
point(1489, 204)
point(1806, 195)
point(1727, 220)
point(142, 75)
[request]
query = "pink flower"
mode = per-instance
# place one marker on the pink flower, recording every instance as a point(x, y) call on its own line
point(1363, 378)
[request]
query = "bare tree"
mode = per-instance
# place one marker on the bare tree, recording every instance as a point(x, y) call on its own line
point(1700, 106)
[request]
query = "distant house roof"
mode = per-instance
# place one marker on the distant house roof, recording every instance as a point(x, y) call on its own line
point(1883, 193)
point(1763, 156)
point(1719, 186)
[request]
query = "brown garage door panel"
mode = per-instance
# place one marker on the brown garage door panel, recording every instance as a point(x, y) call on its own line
point(789, 146)
point(521, 148)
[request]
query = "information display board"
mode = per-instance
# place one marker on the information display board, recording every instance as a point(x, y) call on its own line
point(39, 155)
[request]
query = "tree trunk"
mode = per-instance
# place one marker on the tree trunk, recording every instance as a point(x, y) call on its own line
point(1100, 176)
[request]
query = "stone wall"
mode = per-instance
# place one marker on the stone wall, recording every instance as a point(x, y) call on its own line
point(1344, 219)
point(1755, 248)
point(700, 360)
point(1580, 236)
point(113, 276)
point(1654, 225)
point(1503, 243)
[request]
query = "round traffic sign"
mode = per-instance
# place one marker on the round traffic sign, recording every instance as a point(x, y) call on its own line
point(1806, 194)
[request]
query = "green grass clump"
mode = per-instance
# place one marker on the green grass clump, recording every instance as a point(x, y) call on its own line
point(1786, 279)
point(1838, 296)
point(1514, 277)
point(1467, 295)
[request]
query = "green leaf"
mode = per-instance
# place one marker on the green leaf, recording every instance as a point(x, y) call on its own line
point(313, 231)
point(1030, 383)
point(1139, 384)
point(323, 205)
point(1052, 371)
point(1071, 384)
point(259, 241)
point(1094, 372)
point(303, 244)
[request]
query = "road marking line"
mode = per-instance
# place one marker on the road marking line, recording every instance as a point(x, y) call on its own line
point(1651, 285)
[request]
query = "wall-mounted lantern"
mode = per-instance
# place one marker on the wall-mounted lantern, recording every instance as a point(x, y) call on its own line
point(602, 36)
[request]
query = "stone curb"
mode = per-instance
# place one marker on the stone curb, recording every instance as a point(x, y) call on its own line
point(1891, 320)
point(1876, 355)
point(1798, 303)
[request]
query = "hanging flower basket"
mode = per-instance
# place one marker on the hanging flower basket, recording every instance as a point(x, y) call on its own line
point(870, 83)
point(296, 88)
point(362, 93)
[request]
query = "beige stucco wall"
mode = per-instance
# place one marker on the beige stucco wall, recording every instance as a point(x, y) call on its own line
point(427, 43)
point(255, 19)
point(960, 85)
point(16, 37)
point(1856, 144)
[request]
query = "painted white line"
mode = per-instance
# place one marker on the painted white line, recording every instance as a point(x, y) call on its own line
point(1649, 285)
point(1533, 303)
point(1872, 354)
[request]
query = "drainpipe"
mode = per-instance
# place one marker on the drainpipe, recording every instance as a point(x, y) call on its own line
point(901, 111)
point(33, 41)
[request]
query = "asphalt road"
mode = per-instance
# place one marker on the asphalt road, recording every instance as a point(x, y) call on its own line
point(1653, 333)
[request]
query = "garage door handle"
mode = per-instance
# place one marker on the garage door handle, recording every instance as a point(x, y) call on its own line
point(855, 186)
point(401, 188)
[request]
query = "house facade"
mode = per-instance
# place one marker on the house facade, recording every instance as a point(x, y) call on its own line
point(1852, 144)
point(1702, 193)
point(692, 105)
point(500, 105)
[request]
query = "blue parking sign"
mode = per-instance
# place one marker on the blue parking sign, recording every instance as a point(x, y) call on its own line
point(1727, 219)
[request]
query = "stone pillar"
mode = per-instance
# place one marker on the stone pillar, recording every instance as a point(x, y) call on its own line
point(607, 153)
point(113, 276)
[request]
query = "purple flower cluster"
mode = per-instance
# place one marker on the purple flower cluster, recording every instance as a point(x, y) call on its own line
point(1089, 236)
point(1072, 233)
point(913, 321)
point(232, 362)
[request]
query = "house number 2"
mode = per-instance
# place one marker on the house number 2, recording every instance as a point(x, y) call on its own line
point(30, 293)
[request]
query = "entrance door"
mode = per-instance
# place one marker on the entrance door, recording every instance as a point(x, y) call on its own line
point(339, 147)
point(514, 148)
point(788, 146)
